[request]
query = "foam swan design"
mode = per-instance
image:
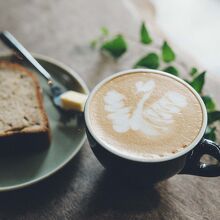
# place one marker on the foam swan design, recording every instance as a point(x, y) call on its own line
point(152, 120)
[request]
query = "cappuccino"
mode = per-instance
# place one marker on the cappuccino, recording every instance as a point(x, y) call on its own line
point(146, 115)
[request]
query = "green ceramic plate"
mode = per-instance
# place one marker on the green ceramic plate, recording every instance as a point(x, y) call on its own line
point(68, 134)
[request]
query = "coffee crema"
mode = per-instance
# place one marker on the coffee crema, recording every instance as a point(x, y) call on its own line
point(146, 115)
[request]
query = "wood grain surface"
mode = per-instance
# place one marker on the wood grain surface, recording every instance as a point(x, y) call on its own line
point(83, 189)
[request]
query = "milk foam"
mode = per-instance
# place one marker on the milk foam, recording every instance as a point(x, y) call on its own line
point(152, 120)
point(146, 115)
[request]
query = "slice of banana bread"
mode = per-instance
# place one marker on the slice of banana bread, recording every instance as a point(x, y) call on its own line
point(23, 121)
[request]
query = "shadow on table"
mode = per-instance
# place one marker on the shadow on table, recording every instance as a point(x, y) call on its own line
point(41, 194)
point(111, 194)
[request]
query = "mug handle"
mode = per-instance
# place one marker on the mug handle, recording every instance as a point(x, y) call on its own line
point(193, 164)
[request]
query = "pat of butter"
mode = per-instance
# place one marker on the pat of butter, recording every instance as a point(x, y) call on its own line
point(72, 100)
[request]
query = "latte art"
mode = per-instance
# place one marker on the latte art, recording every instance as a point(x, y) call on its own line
point(145, 115)
point(152, 120)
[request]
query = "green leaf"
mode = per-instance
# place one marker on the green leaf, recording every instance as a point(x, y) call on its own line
point(210, 133)
point(115, 47)
point(144, 35)
point(209, 103)
point(193, 71)
point(213, 116)
point(172, 70)
point(167, 53)
point(198, 82)
point(151, 61)
point(104, 31)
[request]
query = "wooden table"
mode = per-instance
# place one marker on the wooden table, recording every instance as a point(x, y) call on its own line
point(83, 189)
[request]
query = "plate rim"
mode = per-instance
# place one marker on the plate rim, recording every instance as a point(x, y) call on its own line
point(77, 77)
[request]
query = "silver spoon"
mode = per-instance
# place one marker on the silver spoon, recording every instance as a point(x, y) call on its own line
point(9, 40)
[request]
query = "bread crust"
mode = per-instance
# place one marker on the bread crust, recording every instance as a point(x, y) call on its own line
point(39, 136)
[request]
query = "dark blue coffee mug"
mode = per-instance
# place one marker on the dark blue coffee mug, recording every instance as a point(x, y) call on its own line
point(186, 161)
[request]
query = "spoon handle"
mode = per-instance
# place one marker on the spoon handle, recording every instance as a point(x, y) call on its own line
point(12, 43)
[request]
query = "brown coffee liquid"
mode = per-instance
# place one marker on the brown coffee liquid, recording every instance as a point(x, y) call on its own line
point(145, 115)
